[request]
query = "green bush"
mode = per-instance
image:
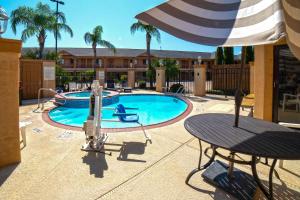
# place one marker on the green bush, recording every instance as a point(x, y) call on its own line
point(174, 88)
point(123, 77)
point(142, 84)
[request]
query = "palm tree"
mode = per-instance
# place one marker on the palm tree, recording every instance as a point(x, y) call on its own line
point(151, 31)
point(95, 38)
point(37, 22)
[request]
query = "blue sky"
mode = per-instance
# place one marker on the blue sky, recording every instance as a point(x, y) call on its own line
point(116, 17)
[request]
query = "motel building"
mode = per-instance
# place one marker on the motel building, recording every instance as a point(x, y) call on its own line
point(119, 63)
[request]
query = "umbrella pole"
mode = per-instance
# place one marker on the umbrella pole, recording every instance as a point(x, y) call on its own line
point(239, 93)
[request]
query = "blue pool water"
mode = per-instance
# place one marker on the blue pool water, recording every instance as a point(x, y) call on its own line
point(152, 109)
point(84, 94)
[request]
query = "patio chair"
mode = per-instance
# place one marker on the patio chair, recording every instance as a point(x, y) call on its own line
point(248, 102)
point(79, 86)
point(72, 86)
point(110, 85)
point(290, 99)
point(124, 117)
point(84, 86)
point(125, 87)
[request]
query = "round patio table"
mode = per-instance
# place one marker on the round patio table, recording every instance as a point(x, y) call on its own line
point(253, 137)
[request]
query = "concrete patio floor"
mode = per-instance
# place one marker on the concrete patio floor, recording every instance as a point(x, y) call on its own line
point(54, 167)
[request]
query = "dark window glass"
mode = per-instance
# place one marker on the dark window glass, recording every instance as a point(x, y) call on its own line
point(288, 86)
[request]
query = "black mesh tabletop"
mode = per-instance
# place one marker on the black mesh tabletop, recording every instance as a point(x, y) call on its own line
point(253, 136)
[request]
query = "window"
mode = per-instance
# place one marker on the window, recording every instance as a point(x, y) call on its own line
point(145, 62)
point(72, 61)
point(287, 87)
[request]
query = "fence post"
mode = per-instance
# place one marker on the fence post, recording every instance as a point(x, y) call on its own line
point(160, 79)
point(199, 80)
point(131, 77)
point(100, 75)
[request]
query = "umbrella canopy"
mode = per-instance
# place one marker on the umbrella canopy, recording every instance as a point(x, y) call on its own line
point(229, 22)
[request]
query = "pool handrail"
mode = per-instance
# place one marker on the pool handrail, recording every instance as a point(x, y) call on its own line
point(50, 90)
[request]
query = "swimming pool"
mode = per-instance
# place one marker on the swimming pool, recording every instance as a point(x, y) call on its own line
point(152, 109)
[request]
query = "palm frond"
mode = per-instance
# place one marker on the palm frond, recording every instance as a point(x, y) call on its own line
point(156, 34)
point(43, 9)
point(88, 38)
point(98, 30)
point(138, 26)
point(65, 28)
point(21, 16)
point(58, 35)
point(107, 44)
point(28, 32)
point(97, 33)
point(61, 17)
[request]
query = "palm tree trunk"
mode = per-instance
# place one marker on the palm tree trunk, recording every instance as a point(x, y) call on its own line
point(41, 39)
point(148, 41)
point(95, 59)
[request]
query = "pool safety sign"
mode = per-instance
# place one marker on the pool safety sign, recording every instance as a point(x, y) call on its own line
point(49, 73)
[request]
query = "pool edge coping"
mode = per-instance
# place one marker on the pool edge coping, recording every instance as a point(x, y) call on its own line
point(59, 96)
point(188, 110)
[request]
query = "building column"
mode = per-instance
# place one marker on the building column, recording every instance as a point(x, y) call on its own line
point(10, 51)
point(199, 80)
point(263, 87)
point(131, 77)
point(160, 79)
point(252, 79)
point(100, 75)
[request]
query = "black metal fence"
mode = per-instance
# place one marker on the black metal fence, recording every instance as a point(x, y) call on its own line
point(185, 78)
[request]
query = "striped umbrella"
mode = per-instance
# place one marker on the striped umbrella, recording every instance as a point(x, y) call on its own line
point(229, 23)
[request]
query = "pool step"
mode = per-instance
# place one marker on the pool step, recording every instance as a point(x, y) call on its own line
point(57, 103)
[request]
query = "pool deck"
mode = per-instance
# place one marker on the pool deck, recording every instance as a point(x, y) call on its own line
point(54, 167)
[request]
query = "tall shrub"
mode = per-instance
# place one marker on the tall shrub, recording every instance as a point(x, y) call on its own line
point(249, 54)
point(228, 55)
point(219, 56)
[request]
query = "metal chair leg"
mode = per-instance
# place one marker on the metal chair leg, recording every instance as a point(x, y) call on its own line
point(147, 136)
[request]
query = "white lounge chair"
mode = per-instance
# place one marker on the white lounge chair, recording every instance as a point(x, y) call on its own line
point(290, 99)
point(72, 86)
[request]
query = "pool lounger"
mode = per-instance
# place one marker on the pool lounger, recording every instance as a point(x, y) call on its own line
point(124, 117)
point(127, 89)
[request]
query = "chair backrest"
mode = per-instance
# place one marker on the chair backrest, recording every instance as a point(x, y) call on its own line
point(72, 85)
point(110, 84)
point(121, 110)
point(124, 84)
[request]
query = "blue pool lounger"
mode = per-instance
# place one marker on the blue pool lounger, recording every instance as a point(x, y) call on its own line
point(124, 117)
